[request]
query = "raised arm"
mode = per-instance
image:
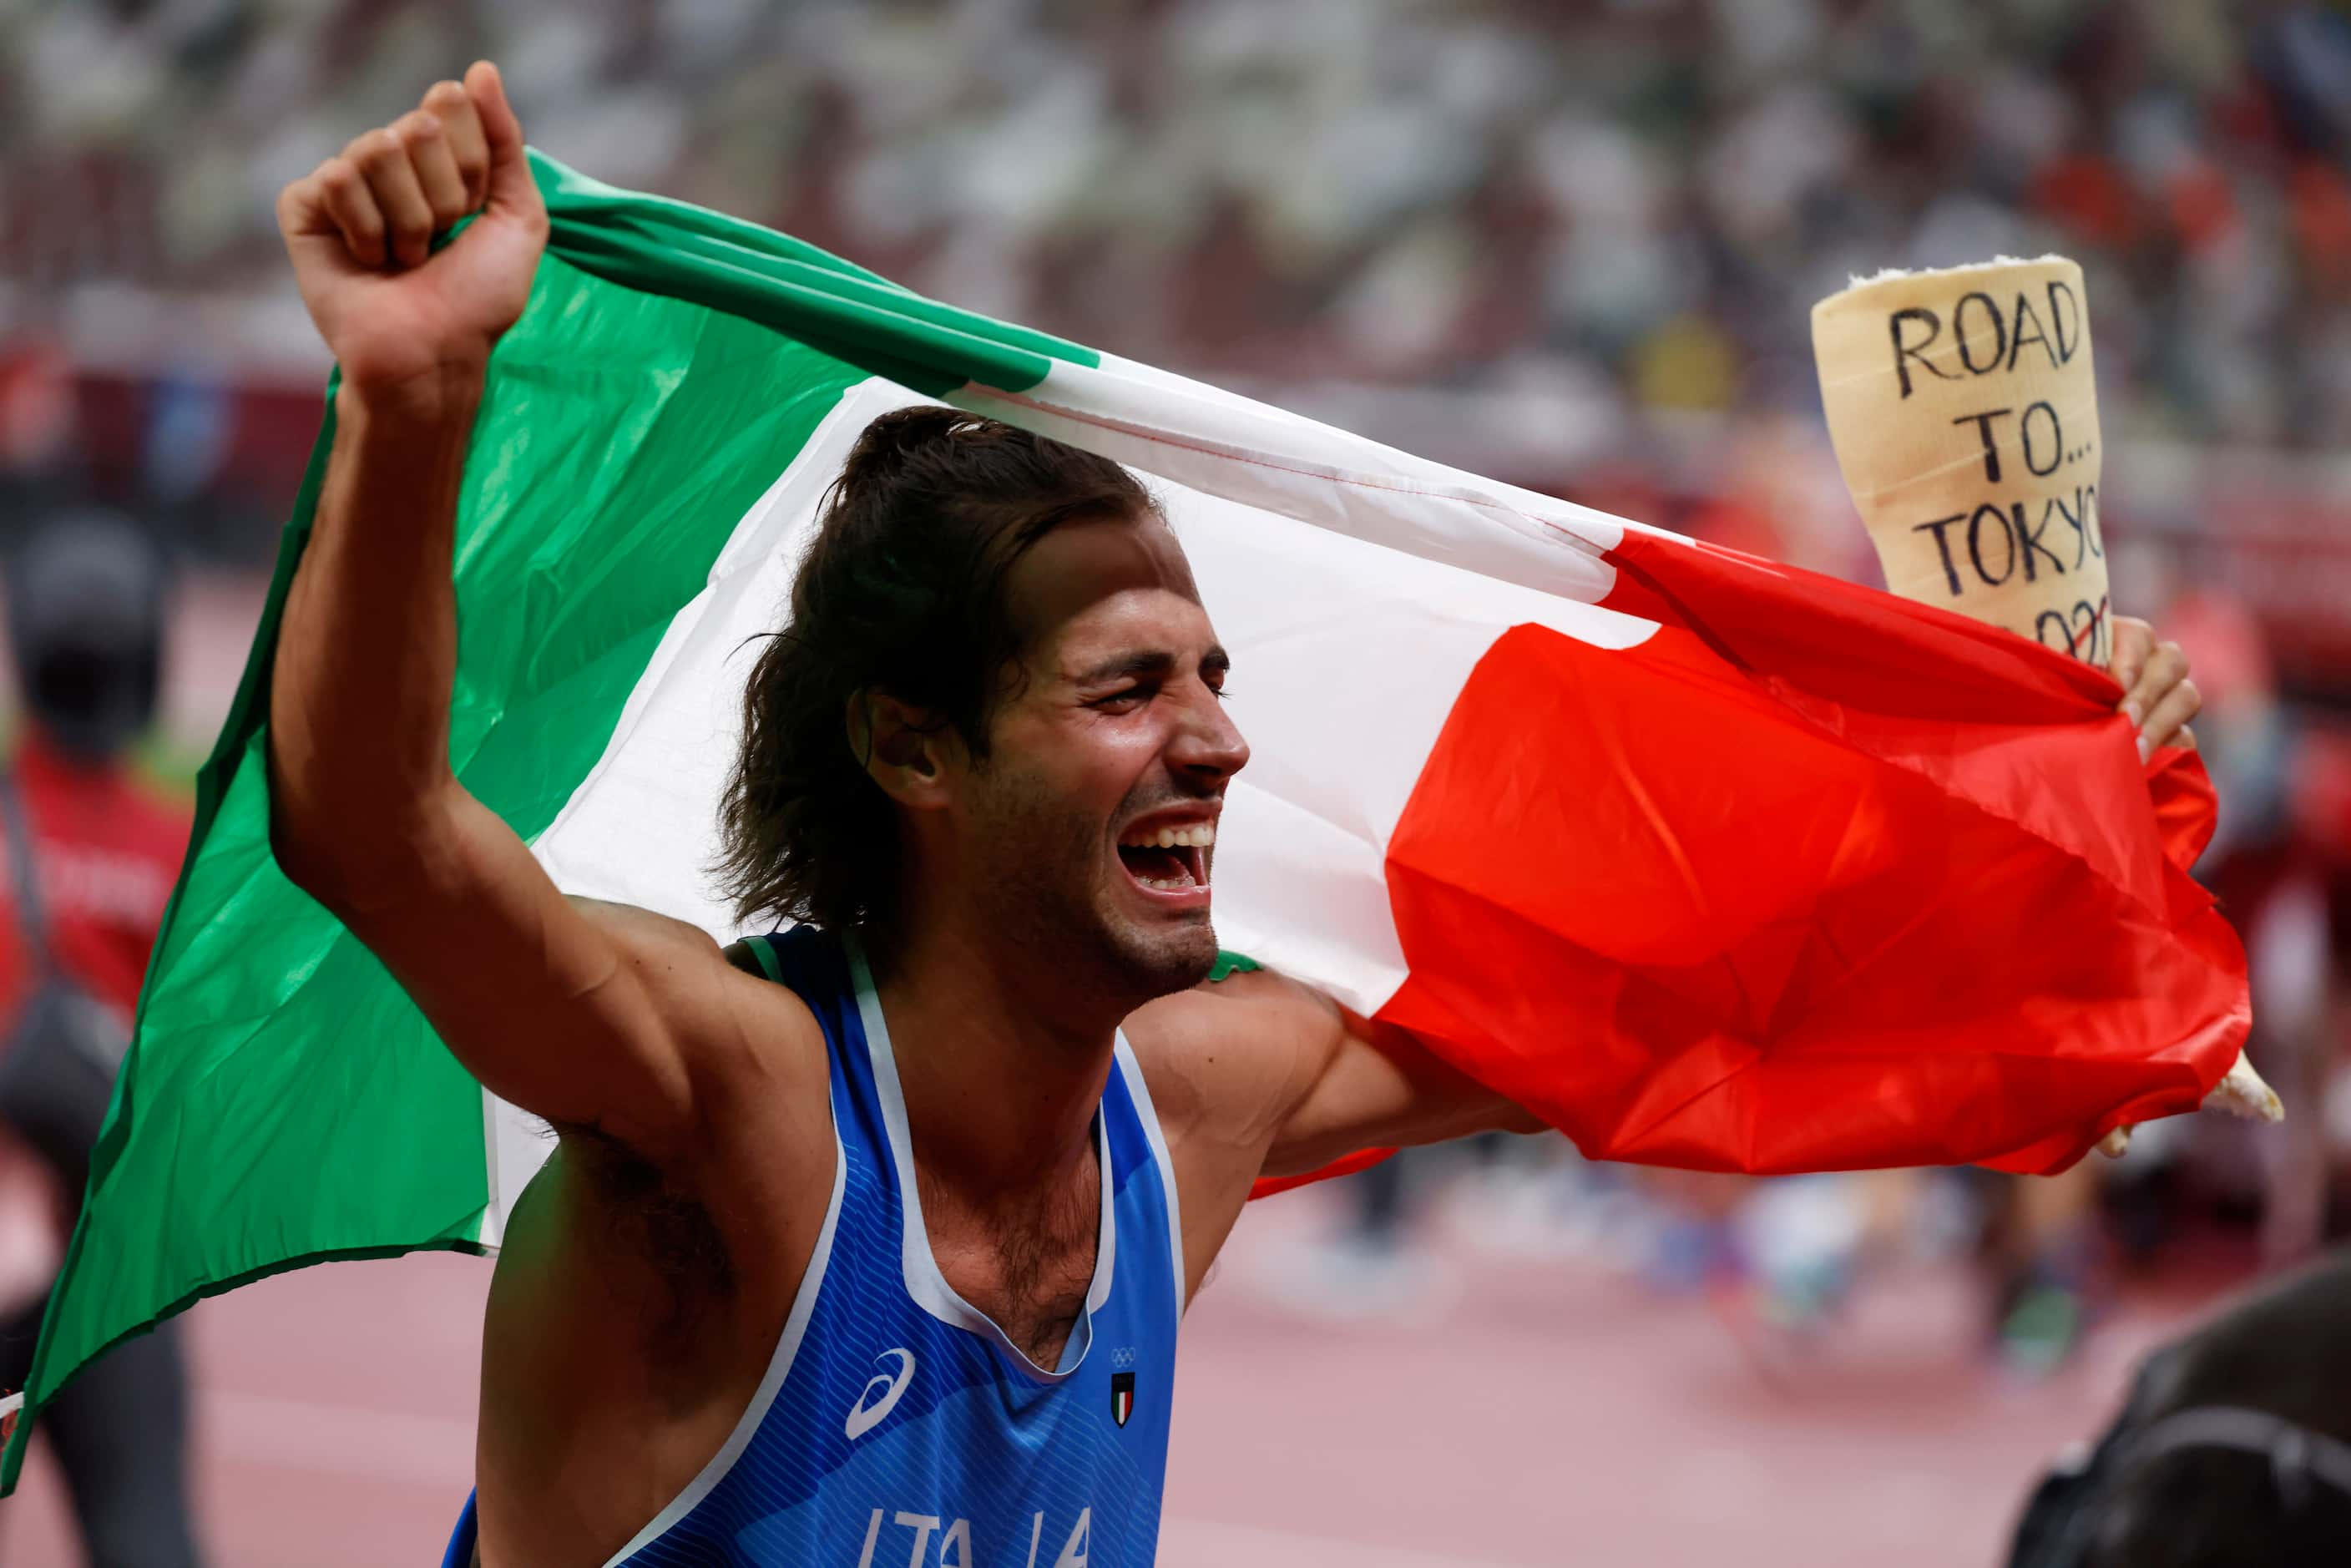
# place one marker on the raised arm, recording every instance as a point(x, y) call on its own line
point(592, 1016)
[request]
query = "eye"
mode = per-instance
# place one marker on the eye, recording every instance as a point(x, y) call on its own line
point(1126, 699)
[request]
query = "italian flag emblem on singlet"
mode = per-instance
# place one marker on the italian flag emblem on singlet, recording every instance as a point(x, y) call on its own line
point(1122, 1396)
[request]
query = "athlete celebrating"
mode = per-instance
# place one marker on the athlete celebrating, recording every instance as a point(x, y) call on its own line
point(865, 1243)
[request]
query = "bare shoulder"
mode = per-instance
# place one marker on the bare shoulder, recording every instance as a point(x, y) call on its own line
point(1227, 1062)
point(1234, 1052)
point(675, 955)
point(740, 1032)
point(647, 933)
point(759, 1152)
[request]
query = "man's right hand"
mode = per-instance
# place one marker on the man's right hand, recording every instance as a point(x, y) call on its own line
point(360, 228)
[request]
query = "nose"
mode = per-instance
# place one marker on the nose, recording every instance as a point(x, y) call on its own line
point(1208, 747)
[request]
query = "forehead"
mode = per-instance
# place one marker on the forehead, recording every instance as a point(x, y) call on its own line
point(1089, 585)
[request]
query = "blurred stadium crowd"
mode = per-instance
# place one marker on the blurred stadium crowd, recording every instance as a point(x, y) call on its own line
point(1572, 246)
point(1645, 195)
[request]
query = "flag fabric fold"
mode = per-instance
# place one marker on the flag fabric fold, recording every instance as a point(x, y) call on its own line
point(1707, 861)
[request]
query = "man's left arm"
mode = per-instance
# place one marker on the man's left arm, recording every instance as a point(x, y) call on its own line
point(1260, 1076)
point(1363, 1084)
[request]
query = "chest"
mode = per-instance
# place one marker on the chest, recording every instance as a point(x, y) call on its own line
point(1027, 1265)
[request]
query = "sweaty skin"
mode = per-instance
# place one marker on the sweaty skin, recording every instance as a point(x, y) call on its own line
point(648, 1271)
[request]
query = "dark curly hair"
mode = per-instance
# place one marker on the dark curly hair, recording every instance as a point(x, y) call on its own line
point(903, 590)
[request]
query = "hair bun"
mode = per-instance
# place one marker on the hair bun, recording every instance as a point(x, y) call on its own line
point(885, 447)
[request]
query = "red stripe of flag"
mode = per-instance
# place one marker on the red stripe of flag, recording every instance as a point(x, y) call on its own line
point(1815, 878)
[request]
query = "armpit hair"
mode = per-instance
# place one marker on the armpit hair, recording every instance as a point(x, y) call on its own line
point(673, 1231)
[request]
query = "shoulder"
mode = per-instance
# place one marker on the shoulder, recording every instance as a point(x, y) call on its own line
point(662, 943)
point(1240, 1002)
point(758, 957)
point(744, 1030)
point(660, 948)
point(1243, 1046)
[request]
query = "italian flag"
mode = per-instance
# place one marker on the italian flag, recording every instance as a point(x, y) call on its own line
point(1709, 862)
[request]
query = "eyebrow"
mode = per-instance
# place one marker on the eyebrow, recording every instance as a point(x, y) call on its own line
point(1155, 661)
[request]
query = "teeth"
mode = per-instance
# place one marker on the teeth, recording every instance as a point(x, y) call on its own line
point(1199, 836)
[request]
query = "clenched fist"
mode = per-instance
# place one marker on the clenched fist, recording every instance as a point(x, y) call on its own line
point(360, 228)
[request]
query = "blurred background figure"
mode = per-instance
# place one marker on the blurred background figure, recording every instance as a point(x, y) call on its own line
point(1573, 248)
point(91, 860)
point(2234, 1446)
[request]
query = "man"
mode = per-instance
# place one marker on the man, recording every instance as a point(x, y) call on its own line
point(884, 1262)
point(2234, 1446)
point(98, 856)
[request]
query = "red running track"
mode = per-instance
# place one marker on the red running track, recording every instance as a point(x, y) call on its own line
point(1550, 1414)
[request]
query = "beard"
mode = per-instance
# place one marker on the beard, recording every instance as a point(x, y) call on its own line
point(1050, 880)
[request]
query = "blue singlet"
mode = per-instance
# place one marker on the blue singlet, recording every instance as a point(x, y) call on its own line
point(897, 1427)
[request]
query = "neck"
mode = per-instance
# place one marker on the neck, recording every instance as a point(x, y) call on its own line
point(1001, 1067)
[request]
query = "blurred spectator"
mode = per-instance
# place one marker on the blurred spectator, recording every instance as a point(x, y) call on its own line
point(91, 860)
point(2234, 1447)
point(1372, 189)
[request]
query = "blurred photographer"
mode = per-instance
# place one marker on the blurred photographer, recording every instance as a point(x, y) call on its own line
point(91, 859)
point(2234, 1447)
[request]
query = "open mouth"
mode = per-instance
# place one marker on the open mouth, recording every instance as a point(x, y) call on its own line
point(1168, 859)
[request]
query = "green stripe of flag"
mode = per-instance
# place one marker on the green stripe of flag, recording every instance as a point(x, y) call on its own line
point(687, 253)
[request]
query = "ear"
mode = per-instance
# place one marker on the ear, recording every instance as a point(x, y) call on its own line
point(903, 748)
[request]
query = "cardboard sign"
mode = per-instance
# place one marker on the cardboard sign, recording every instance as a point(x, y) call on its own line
point(1966, 420)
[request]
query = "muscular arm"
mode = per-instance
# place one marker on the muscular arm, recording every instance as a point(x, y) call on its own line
point(1259, 1076)
point(592, 1016)
point(554, 1005)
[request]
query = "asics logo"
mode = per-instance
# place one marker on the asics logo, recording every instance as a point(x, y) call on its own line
point(881, 1395)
